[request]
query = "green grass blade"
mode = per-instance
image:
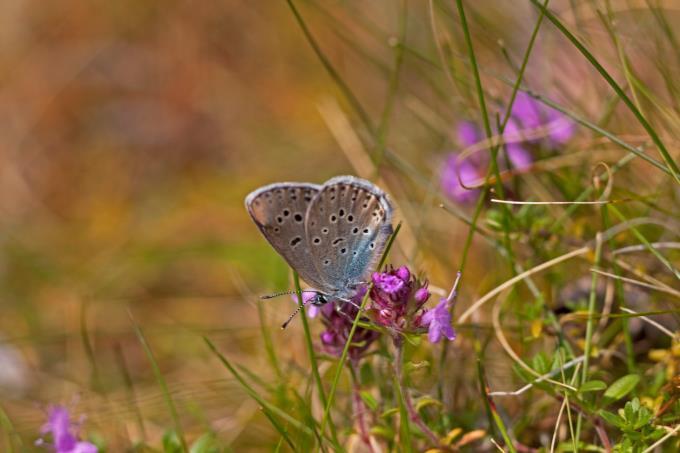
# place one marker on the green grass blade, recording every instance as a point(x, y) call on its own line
point(491, 407)
point(161, 382)
point(641, 237)
point(10, 432)
point(130, 388)
point(89, 349)
point(268, 344)
point(312, 355)
point(404, 425)
point(346, 91)
point(672, 166)
point(261, 401)
point(393, 86)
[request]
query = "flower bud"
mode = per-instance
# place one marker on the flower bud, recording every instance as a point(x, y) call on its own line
point(403, 273)
point(422, 294)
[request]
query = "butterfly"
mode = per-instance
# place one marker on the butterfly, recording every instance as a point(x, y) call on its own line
point(332, 234)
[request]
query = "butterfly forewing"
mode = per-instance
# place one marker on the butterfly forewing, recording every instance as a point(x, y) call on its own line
point(279, 212)
point(347, 226)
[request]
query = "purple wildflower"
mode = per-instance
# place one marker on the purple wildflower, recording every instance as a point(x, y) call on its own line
point(561, 128)
point(438, 322)
point(64, 434)
point(468, 134)
point(456, 171)
point(422, 294)
point(396, 298)
point(530, 114)
point(527, 115)
point(467, 171)
point(389, 284)
point(338, 319)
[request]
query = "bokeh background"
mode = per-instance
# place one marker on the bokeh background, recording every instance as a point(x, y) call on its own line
point(131, 131)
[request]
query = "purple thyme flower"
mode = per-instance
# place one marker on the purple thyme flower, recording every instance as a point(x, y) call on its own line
point(389, 284)
point(338, 318)
point(397, 298)
point(468, 173)
point(528, 113)
point(64, 434)
point(561, 128)
point(438, 322)
point(468, 170)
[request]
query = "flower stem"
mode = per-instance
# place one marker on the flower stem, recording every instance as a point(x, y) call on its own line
point(355, 324)
point(412, 413)
point(312, 356)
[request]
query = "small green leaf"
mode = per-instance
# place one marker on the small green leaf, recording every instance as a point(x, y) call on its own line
point(612, 419)
point(592, 386)
point(540, 363)
point(426, 401)
point(205, 444)
point(368, 399)
point(382, 431)
point(390, 412)
point(412, 366)
point(621, 387)
point(413, 339)
point(171, 442)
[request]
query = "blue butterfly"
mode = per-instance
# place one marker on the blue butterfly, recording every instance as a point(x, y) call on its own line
point(332, 234)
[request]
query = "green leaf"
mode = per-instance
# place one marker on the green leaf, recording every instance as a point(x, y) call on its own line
point(427, 401)
point(413, 339)
point(382, 431)
point(390, 412)
point(368, 399)
point(205, 444)
point(412, 366)
point(612, 419)
point(171, 442)
point(592, 386)
point(540, 363)
point(621, 387)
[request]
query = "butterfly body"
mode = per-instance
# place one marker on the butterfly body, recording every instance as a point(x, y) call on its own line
point(331, 234)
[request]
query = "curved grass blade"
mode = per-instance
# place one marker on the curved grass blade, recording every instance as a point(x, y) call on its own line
point(161, 382)
point(268, 408)
point(312, 355)
point(672, 166)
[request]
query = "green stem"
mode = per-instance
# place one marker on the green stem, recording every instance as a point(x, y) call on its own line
point(356, 105)
point(393, 86)
point(672, 166)
point(312, 356)
point(404, 423)
point(355, 324)
point(590, 324)
point(491, 406)
point(406, 397)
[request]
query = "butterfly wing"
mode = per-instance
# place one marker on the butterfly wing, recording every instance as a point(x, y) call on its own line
point(347, 224)
point(279, 212)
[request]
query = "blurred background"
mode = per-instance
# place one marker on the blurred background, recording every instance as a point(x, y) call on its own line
point(131, 131)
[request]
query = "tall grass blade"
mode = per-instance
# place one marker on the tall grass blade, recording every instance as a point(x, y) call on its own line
point(161, 382)
point(672, 166)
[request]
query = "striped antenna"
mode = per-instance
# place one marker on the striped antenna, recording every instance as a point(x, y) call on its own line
point(297, 310)
point(282, 293)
